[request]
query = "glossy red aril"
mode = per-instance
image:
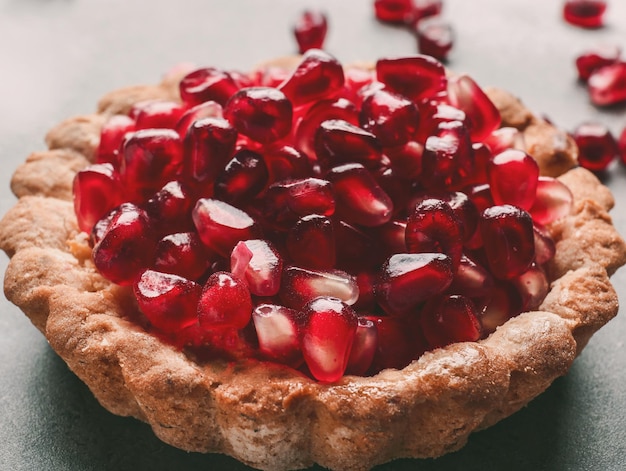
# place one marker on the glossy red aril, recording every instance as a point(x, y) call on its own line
point(208, 109)
point(287, 201)
point(360, 200)
point(225, 302)
point(338, 141)
point(545, 247)
point(311, 242)
point(277, 331)
point(398, 188)
point(285, 162)
point(390, 237)
point(301, 285)
point(553, 201)
point(596, 144)
point(111, 137)
point(585, 13)
point(607, 85)
point(261, 113)
point(259, 264)
point(183, 254)
point(171, 207)
point(97, 191)
point(406, 160)
point(503, 303)
point(471, 279)
point(415, 77)
point(398, 343)
point(503, 139)
point(319, 76)
point(207, 84)
point(220, 225)
point(450, 319)
point(242, 178)
point(168, 301)
point(328, 327)
point(363, 347)
point(365, 281)
point(392, 118)
point(393, 11)
point(447, 157)
point(157, 114)
point(435, 37)
point(595, 58)
point(355, 249)
point(409, 279)
point(513, 176)
point(532, 286)
point(508, 237)
point(432, 113)
point(310, 30)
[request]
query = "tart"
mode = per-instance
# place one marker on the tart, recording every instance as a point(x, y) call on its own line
point(278, 414)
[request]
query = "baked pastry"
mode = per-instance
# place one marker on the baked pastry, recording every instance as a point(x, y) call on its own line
point(266, 413)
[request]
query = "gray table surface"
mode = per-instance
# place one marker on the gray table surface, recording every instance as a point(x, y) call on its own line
point(58, 56)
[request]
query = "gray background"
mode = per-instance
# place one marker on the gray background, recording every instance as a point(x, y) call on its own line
point(57, 57)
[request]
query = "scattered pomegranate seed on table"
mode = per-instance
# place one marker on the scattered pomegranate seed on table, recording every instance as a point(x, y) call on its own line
point(595, 58)
point(597, 146)
point(585, 13)
point(310, 30)
point(435, 37)
point(607, 85)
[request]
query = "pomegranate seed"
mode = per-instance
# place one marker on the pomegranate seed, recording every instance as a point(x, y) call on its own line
point(596, 58)
point(259, 264)
point(597, 146)
point(277, 331)
point(208, 84)
point(503, 303)
point(406, 160)
point(111, 137)
point(337, 141)
point(183, 254)
point(365, 281)
point(425, 8)
point(220, 225)
point(622, 145)
point(243, 177)
point(432, 114)
point(450, 319)
point(607, 85)
point(168, 301)
point(433, 226)
point(483, 116)
point(392, 118)
point(310, 30)
point(504, 139)
point(300, 285)
point(545, 248)
point(157, 114)
point(171, 207)
point(100, 228)
point(224, 303)
point(355, 249)
point(360, 199)
point(261, 113)
point(532, 286)
point(328, 327)
point(398, 345)
point(471, 279)
point(208, 109)
point(409, 279)
point(447, 157)
point(97, 191)
point(553, 201)
point(482, 157)
point(355, 79)
point(311, 242)
point(584, 13)
point(126, 248)
point(393, 11)
point(390, 237)
point(507, 232)
point(415, 77)
point(397, 188)
point(151, 158)
point(285, 162)
point(513, 176)
point(363, 347)
point(435, 37)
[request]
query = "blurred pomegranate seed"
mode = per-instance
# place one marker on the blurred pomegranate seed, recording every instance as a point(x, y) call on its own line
point(585, 13)
point(207, 109)
point(597, 146)
point(328, 327)
point(392, 118)
point(311, 242)
point(277, 330)
point(393, 11)
point(595, 58)
point(607, 85)
point(622, 145)
point(532, 286)
point(224, 303)
point(504, 139)
point(170, 207)
point(285, 162)
point(415, 77)
point(183, 254)
point(168, 301)
point(243, 178)
point(259, 264)
point(471, 279)
point(425, 8)
point(447, 157)
point(288, 200)
point(435, 37)
point(111, 137)
point(513, 176)
point(157, 114)
point(207, 84)
point(545, 248)
point(553, 201)
point(97, 190)
point(310, 30)
point(363, 347)
point(300, 285)
point(450, 319)
point(338, 141)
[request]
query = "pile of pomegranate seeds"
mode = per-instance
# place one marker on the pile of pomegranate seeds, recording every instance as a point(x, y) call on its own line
point(335, 221)
point(585, 13)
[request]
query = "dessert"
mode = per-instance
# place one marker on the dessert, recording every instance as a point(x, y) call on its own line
point(203, 378)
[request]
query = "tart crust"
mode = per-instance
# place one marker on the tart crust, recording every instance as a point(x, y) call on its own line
point(269, 416)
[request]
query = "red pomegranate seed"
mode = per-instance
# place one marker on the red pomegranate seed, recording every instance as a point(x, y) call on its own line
point(243, 177)
point(100, 228)
point(365, 281)
point(595, 58)
point(363, 347)
point(151, 158)
point(398, 343)
point(597, 146)
point(360, 200)
point(126, 248)
point(545, 248)
point(471, 279)
point(532, 286)
point(224, 303)
point(607, 85)
point(504, 139)
point(392, 118)
point(553, 201)
point(207, 84)
point(171, 207)
point(503, 303)
point(432, 113)
point(513, 176)
point(409, 279)
point(433, 226)
point(285, 162)
point(220, 225)
point(261, 113)
point(447, 157)
point(450, 319)
point(393, 11)
point(483, 116)
point(390, 237)
point(259, 264)
point(310, 30)
point(111, 137)
point(97, 191)
point(355, 249)
point(406, 160)
point(482, 157)
point(397, 187)
point(328, 327)
point(509, 242)
point(337, 141)
point(183, 254)
point(168, 301)
point(208, 109)
point(355, 79)
point(319, 76)
point(157, 114)
point(622, 145)
point(311, 242)
point(435, 37)
point(300, 285)
point(415, 77)
point(277, 330)
point(585, 13)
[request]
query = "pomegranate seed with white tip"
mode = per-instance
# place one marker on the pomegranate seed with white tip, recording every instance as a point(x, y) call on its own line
point(301, 285)
point(259, 264)
point(278, 334)
point(595, 58)
point(607, 85)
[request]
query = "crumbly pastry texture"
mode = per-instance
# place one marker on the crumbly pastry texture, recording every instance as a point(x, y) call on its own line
point(269, 416)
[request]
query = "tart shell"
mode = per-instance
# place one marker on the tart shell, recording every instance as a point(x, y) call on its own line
point(272, 417)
